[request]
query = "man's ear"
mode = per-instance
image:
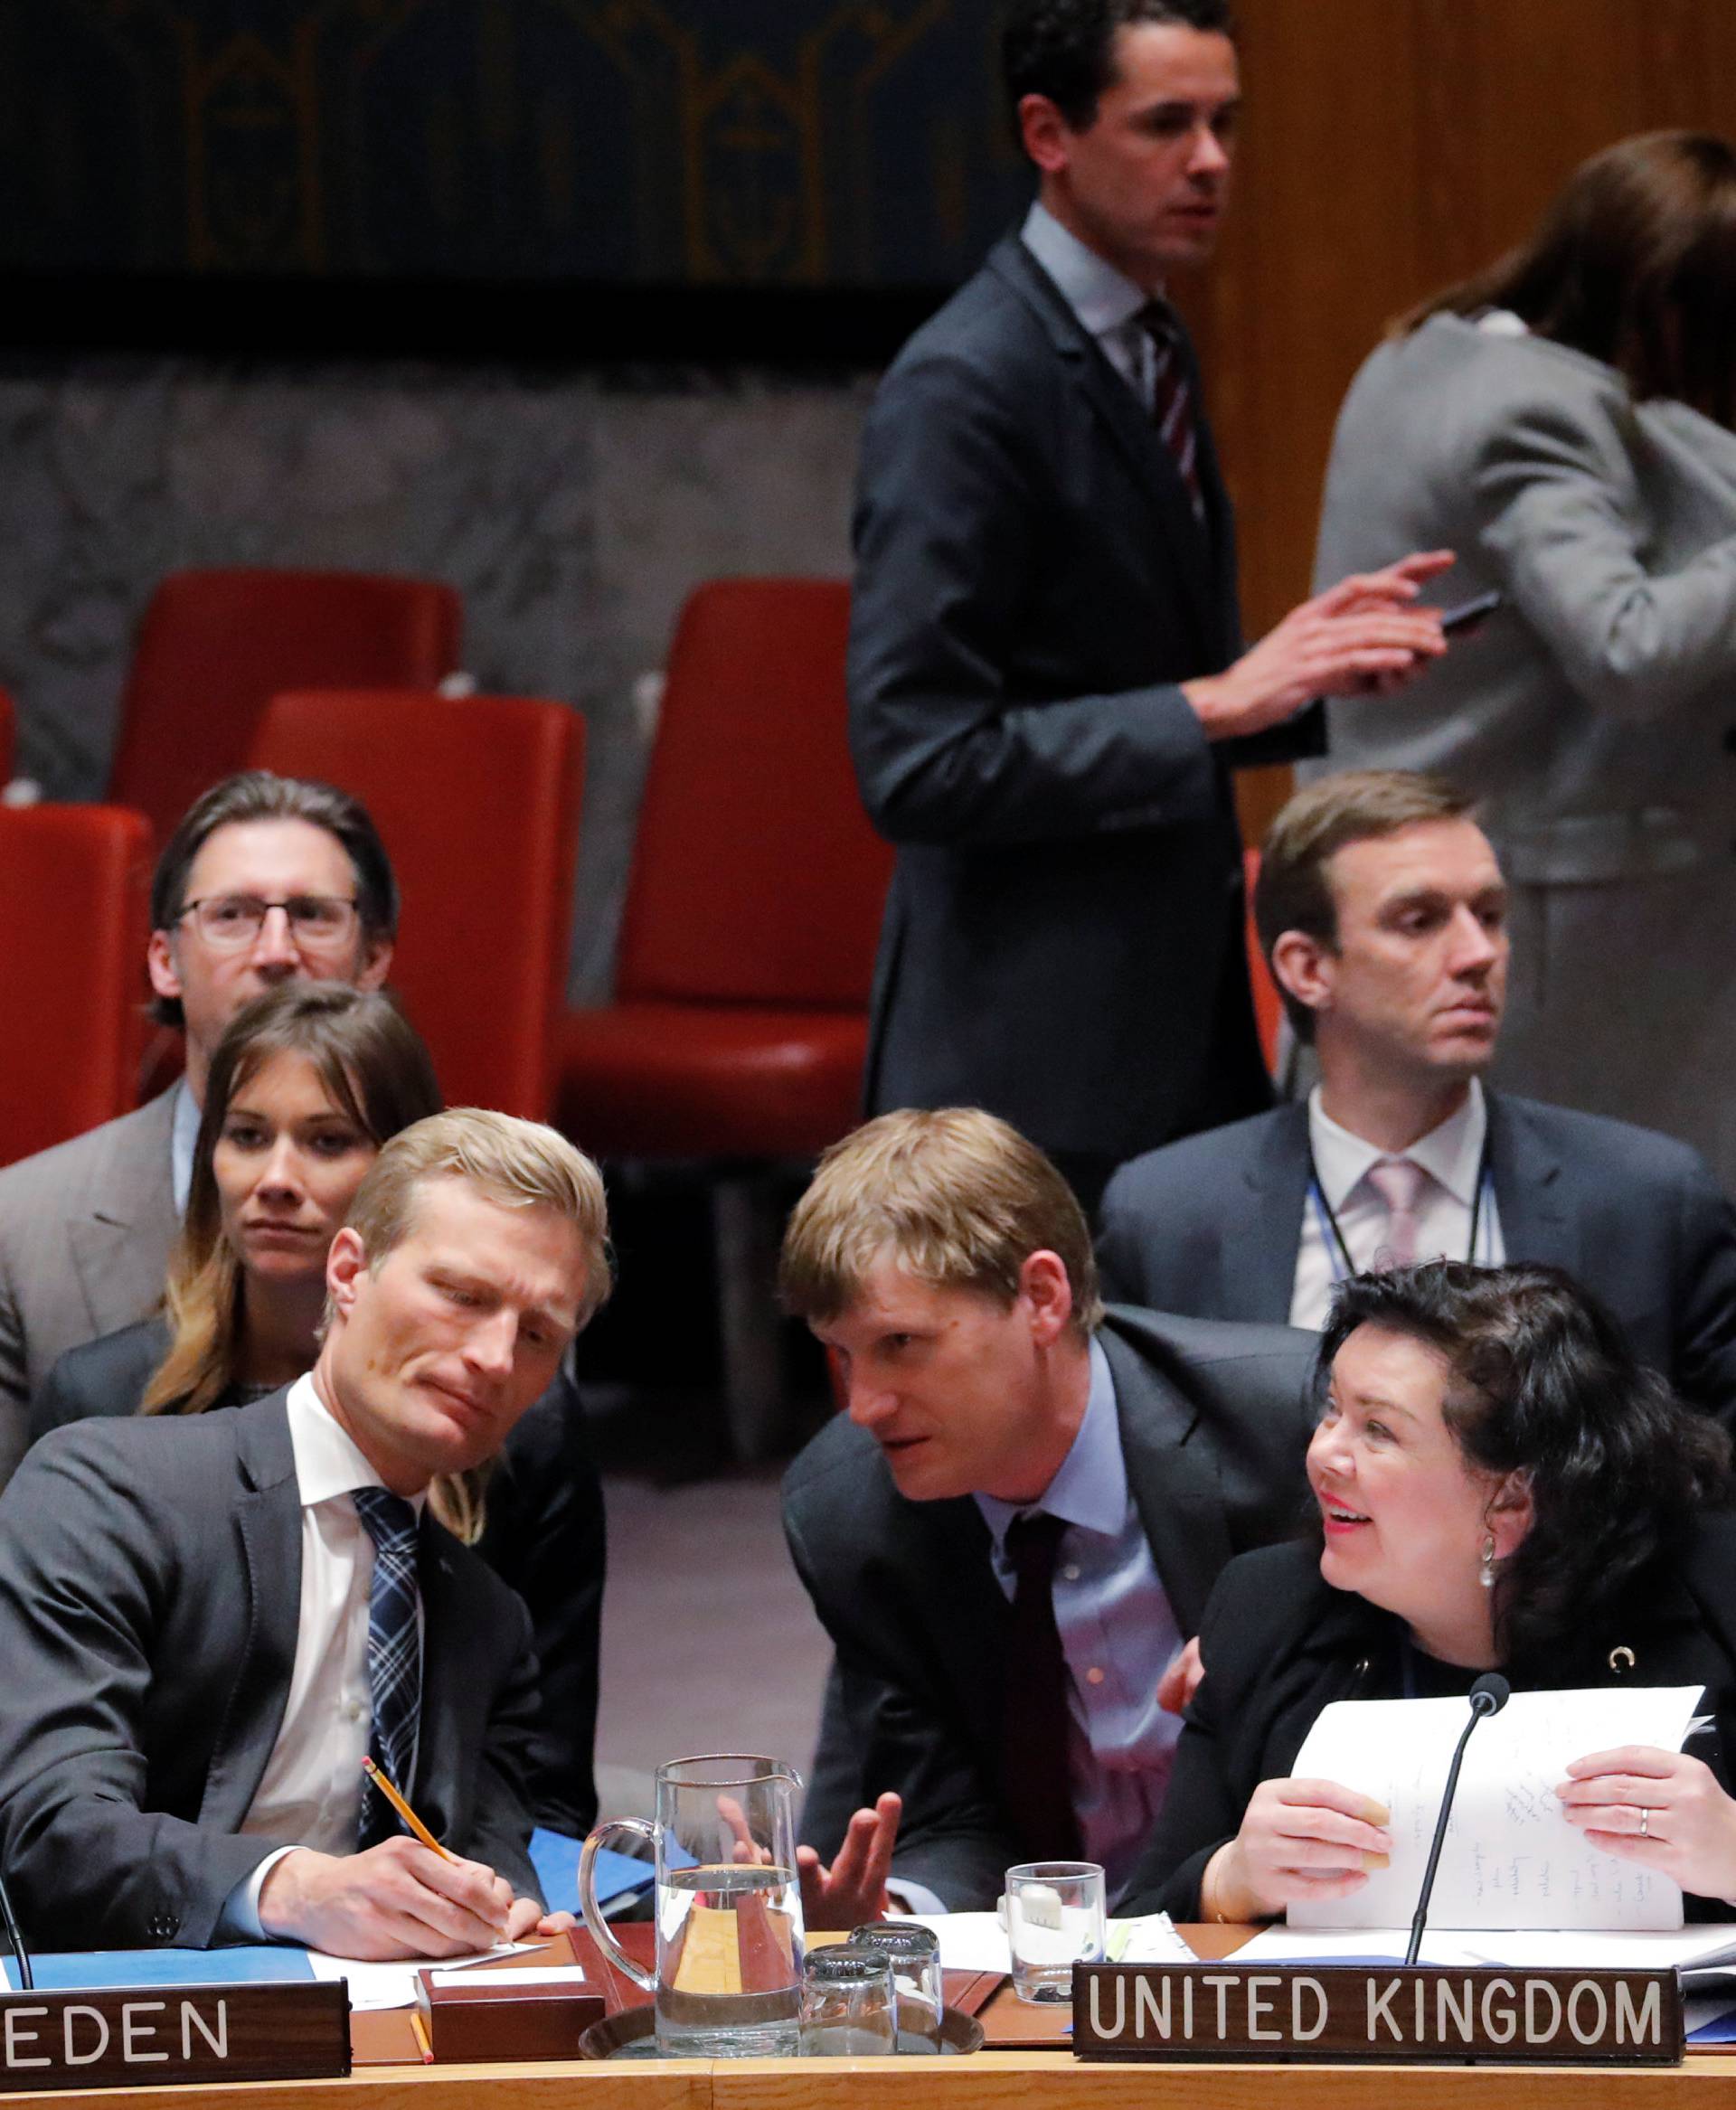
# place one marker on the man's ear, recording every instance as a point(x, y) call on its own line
point(1047, 1295)
point(345, 1265)
point(1046, 134)
point(374, 965)
point(1305, 969)
point(1510, 1513)
point(159, 963)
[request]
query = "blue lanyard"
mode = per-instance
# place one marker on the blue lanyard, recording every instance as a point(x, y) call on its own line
point(1332, 1237)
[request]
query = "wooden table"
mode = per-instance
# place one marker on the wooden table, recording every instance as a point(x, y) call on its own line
point(1031, 2079)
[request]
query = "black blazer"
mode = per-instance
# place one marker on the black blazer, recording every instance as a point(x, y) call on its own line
point(150, 1586)
point(1281, 1643)
point(1210, 1226)
point(1213, 1425)
point(544, 1533)
point(1064, 937)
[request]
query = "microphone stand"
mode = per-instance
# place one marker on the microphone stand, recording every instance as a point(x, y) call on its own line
point(26, 1976)
point(1489, 1695)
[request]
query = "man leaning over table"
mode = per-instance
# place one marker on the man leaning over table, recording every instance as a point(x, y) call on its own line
point(207, 1623)
point(1011, 1530)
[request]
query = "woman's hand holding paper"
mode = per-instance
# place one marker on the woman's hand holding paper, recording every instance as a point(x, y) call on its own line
point(1660, 1808)
point(1299, 1839)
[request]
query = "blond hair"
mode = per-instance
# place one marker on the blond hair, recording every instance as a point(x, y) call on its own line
point(518, 1164)
point(956, 1197)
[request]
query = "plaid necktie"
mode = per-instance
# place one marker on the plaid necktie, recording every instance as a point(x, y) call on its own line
point(394, 1653)
point(1172, 400)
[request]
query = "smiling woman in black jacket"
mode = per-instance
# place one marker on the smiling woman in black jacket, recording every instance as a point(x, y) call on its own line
point(1498, 1484)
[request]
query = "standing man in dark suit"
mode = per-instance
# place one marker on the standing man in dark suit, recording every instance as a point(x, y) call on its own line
point(207, 1623)
point(1046, 673)
point(1382, 912)
point(1011, 1531)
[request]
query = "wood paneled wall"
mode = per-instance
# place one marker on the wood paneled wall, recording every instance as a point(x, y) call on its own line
point(1389, 146)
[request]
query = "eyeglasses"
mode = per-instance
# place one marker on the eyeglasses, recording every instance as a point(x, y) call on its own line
point(318, 923)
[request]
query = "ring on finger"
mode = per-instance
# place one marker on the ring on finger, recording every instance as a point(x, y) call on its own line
point(1645, 1821)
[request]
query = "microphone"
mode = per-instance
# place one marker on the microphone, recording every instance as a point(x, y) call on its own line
point(1489, 1694)
point(26, 1976)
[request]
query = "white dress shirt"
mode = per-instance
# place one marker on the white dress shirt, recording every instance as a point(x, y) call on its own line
point(1105, 302)
point(184, 1134)
point(1451, 1155)
point(311, 1789)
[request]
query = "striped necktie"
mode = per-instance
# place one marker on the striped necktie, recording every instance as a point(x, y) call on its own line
point(1171, 398)
point(394, 1653)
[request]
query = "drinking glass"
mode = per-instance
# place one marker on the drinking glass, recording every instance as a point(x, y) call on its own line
point(729, 1909)
point(847, 2002)
point(1055, 1919)
point(919, 1986)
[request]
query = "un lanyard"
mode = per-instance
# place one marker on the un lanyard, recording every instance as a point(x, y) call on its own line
point(1339, 1256)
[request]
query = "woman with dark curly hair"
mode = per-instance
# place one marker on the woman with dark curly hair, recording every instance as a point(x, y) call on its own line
point(1497, 1485)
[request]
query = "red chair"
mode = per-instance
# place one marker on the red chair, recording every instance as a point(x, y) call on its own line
point(1268, 1006)
point(477, 801)
point(76, 882)
point(8, 737)
point(216, 646)
point(748, 943)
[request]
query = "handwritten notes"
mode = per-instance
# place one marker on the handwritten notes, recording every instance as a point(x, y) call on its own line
point(1511, 1858)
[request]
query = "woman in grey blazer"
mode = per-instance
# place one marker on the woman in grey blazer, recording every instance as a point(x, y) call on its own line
point(1563, 421)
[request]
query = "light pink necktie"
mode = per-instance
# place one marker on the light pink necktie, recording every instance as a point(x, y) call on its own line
point(1399, 1183)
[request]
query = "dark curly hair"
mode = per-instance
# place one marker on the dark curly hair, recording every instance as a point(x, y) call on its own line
point(1543, 1383)
point(1065, 49)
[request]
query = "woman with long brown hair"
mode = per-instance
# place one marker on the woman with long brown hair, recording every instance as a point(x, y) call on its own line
point(1563, 421)
point(306, 1084)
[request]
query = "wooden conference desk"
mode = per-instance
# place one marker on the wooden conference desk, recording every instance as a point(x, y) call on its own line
point(1031, 2079)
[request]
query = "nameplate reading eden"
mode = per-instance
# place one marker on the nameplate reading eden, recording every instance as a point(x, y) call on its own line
point(165, 2035)
point(1232, 2013)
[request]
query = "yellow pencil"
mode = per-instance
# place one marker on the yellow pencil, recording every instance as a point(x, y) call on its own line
point(422, 2044)
point(403, 1808)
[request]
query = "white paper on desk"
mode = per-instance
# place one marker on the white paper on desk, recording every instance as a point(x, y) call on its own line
point(393, 1985)
point(1577, 1949)
point(1313, 1945)
point(1511, 1859)
point(976, 1941)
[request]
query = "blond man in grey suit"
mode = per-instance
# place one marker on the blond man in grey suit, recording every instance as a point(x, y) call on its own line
point(265, 880)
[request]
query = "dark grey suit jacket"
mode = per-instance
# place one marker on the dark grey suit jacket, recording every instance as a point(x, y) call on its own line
point(1214, 1420)
point(544, 1532)
point(150, 1586)
point(1064, 936)
point(1210, 1226)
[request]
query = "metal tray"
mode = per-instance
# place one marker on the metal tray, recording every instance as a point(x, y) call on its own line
point(632, 2035)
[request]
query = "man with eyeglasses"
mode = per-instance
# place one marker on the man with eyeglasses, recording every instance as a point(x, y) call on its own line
point(266, 879)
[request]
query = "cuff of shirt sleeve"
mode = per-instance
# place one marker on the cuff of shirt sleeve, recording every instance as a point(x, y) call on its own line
point(240, 1920)
point(911, 1896)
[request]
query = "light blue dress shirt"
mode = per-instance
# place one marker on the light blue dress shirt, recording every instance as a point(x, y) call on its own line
point(184, 1134)
point(1103, 300)
point(1118, 1633)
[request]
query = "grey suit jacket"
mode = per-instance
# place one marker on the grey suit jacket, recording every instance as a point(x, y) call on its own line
point(1214, 1420)
point(1062, 940)
point(150, 1577)
point(1212, 1225)
point(85, 1233)
point(1593, 718)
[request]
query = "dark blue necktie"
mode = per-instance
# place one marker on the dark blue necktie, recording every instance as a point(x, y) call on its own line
point(394, 1654)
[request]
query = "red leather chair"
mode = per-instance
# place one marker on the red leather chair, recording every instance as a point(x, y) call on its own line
point(216, 646)
point(76, 882)
point(747, 942)
point(1268, 1006)
point(8, 736)
point(477, 801)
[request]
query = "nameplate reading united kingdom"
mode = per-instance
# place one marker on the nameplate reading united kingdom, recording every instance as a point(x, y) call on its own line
point(170, 2036)
point(1230, 2012)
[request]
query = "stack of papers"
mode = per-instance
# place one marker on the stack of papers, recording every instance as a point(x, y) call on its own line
point(976, 1941)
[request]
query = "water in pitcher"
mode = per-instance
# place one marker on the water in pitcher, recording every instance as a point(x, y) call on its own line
point(731, 1961)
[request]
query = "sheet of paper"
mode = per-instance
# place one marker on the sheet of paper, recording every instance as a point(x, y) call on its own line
point(1305, 1944)
point(1571, 1949)
point(976, 1941)
point(1511, 1858)
point(393, 1985)
point(543, 1974)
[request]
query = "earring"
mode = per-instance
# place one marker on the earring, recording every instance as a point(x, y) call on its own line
point(1487, 1577)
